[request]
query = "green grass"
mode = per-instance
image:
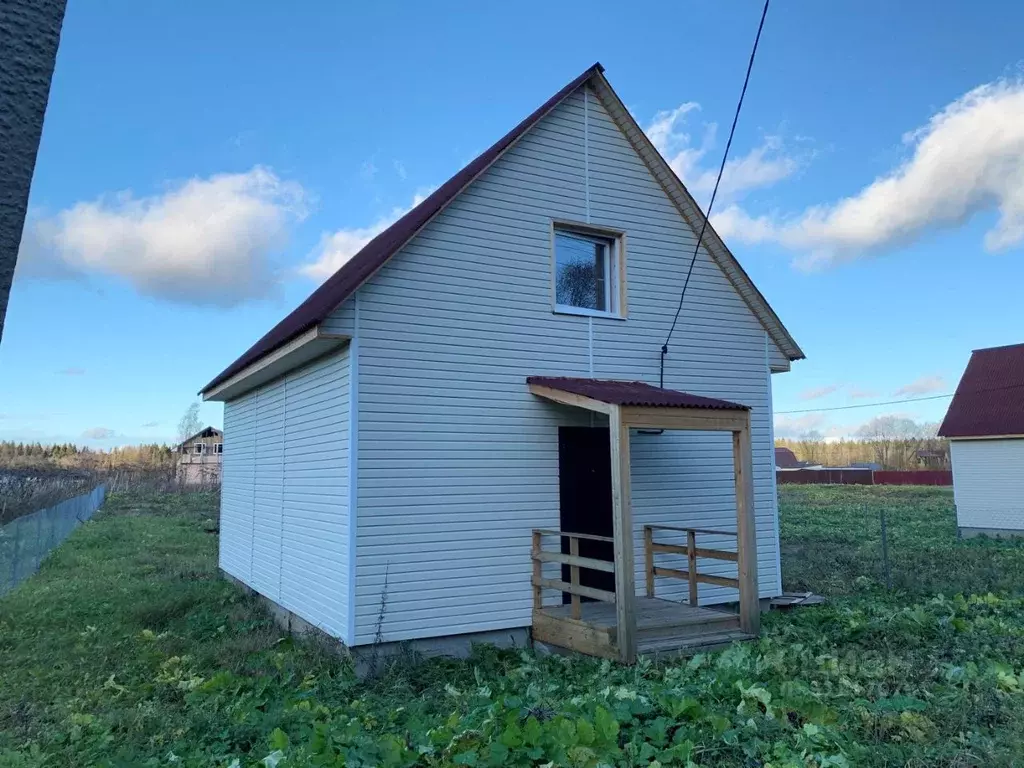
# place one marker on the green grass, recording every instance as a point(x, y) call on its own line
point(128, 649)
point(832, 543)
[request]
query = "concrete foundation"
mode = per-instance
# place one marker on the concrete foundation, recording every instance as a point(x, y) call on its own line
point(372, 659)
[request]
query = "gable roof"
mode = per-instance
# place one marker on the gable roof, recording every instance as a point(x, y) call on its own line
point(635, 393)
point(989, 399)
point(361, 267)
point(204, 432)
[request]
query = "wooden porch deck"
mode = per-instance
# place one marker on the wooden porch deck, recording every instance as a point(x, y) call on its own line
point(663, 627)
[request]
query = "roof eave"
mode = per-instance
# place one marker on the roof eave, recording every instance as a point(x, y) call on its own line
point(303, 349)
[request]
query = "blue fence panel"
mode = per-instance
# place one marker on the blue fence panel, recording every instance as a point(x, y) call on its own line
point(26, 541)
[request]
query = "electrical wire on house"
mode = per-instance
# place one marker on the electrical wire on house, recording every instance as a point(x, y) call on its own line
point(714, 193)
point(900, 402)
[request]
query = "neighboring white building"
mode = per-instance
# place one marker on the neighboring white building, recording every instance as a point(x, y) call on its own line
point(389, 470)
point(985, 427)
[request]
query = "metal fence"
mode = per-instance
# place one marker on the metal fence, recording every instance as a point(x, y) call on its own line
point(26, 541)
point(857, 476)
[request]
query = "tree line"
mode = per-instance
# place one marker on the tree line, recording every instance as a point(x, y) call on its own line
point(893, 442)
point(69, 456)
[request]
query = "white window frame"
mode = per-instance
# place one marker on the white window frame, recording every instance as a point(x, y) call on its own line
point(614, 270)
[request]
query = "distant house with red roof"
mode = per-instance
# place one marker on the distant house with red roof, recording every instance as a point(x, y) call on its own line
point(786, 459)
point(985, 427)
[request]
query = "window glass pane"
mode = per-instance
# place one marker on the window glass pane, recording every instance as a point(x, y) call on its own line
point(580, 267)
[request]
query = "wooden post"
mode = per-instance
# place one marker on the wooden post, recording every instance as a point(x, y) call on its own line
point(691, 557)
point(746, 538)
point(622, 525)
point(574, 576)
point(649, 559)
point(538, 595)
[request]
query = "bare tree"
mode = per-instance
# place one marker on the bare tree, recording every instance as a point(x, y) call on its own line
point(896, 440)
point(189, 424)
point(813, 447)
point(577, 285)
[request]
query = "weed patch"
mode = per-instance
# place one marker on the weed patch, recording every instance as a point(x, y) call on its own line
point(126, 650)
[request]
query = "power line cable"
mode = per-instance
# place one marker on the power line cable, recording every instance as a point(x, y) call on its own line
point(714, 193)
point(898, 402)
point(867, 405)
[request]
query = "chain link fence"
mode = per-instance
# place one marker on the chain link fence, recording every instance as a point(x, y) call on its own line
point(25, 541)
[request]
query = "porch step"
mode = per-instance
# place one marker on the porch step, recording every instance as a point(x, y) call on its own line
point(662, 647)
point(707, 621)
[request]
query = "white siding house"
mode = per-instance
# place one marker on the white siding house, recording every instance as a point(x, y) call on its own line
point(391, 487)
point(985, 427)
point(285, 522)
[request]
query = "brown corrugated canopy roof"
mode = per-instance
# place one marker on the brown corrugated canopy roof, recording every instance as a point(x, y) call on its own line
point(631, 393)
point(989, 400)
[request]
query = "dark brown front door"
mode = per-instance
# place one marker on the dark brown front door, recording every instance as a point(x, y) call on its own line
point(585, 495)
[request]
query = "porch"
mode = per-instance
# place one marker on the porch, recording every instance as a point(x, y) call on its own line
point(570, 612)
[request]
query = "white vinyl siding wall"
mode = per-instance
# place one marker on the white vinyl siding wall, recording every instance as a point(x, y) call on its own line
point(988, 483)
point(285, 492)
point(238, 473)
point(457, 461)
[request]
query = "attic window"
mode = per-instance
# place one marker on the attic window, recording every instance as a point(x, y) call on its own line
point(587, 272)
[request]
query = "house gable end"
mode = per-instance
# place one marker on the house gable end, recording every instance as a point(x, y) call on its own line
point(457, 460)
point(571, 175)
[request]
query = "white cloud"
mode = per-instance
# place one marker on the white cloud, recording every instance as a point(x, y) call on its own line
point(400, 169)
point(860, 394)
point(795, 426)
point(206, 241)
point(968, 158)
point(99, 433)
point(733, 223)
point(819, 392)
point(336, 248)
point(922, 386)
point(368, 170)
point(763, 166)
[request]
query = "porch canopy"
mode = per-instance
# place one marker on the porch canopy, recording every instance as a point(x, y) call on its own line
point(636, 405)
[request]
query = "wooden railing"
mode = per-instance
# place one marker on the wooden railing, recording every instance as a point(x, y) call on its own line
point(692, 552)
point(575, 563)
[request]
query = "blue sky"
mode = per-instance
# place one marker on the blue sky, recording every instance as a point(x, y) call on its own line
point(308, 127)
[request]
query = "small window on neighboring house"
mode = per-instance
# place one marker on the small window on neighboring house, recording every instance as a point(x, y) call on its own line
point(587, 272)
point(199, 448)
point(219, 448)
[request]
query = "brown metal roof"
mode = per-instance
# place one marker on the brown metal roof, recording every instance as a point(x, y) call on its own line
point(631, 393)
point(989, 400)
point(786, 459)
point(343, 283)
